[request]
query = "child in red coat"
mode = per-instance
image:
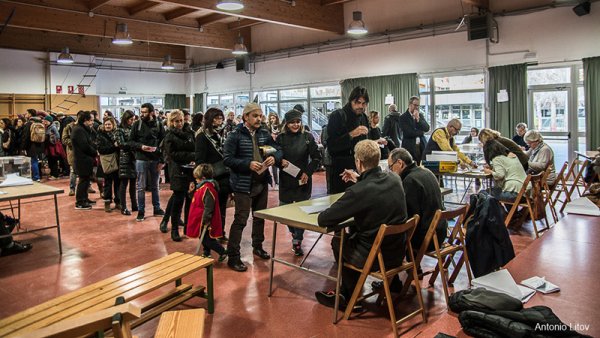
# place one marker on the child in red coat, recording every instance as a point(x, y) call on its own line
point(205, 212)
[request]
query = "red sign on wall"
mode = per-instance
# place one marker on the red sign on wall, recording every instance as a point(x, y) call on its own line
point(80, 89)
point(58, 89)
point(70, 89)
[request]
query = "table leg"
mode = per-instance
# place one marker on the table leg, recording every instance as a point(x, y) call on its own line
point(19, 212)
point(339, 279)
point(311, 249)
point(466, 190)
point(57, 221)
point(210, 291)
point(272, 258)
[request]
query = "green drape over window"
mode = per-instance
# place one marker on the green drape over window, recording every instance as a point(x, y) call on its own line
point(504, 116)
point(591, 83)
point(175, 101)
point(198, 102)
point(401, 86)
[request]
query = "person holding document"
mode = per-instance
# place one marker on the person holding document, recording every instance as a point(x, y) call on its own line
point(248, 180)
point(301, 157)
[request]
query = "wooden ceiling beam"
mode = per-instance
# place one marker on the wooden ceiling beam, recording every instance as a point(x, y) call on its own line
point(142, 6)
point(95, 4)
point(333, 2)
point(211, 18)
point(482, 4)
point(27, 39)
point(243, 24)
point(102, 26)
point(178, 12)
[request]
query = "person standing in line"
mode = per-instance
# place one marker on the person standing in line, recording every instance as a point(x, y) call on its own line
point(84, 153)
point(33, 145)
point(107, 145)
point(249, 177)
point(274, 126)
point(385, 143)
point(391, 126)
point(298, 148)
point(127, 173)
point(146, 136)
point(414, 126)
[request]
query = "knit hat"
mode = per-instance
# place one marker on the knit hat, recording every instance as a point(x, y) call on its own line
point(49, 118)
point(299, 108)
point(250, 107)
point(293, 115)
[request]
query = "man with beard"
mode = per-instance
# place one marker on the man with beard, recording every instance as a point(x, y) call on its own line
point(414, 126)
point(346, 127)
point(146, 136)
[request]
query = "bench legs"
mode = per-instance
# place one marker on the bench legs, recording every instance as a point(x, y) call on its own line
point(209, 289)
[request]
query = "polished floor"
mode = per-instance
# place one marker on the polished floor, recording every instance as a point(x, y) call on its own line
point(97, 245)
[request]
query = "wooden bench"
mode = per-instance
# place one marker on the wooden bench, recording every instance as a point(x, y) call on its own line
point(129, 285)
point(181, 324)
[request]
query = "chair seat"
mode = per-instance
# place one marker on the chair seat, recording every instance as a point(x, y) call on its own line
point(446, 250)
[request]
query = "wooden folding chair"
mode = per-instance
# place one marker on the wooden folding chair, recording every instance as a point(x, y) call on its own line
point(386, 275)
point(559, 187)
point(576, 171)
point(444, 252)
point(527, 200)
point(547, 192)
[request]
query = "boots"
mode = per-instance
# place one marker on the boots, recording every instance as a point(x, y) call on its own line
point(175, 235)
point(107, 206)
point(164, 226)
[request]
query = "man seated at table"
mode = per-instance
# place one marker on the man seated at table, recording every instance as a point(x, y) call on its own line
point(7, 245)
point(443, 139)
point(376, 198)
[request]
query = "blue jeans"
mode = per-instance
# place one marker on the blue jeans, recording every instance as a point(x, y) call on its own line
point(35, 168)
point(72, 180)
point(147, 169)
point(500, 195)
point(297, 234)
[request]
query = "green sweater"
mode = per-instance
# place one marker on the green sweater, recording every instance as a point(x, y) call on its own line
point(508, 173)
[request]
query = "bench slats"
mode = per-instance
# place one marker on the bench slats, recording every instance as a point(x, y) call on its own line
point(168, 305)
point(131, 286)
point(181, 324)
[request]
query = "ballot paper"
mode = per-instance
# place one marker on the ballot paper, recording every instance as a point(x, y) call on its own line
point(314, 209)
point(582, 206)
point(13, 180)
point(540, 284)
point(502, 281)
point(291, 169)
point(263, 168)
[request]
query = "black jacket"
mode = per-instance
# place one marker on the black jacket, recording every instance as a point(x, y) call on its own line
point(423, 198)
point(105, 142)
point(126, 154)
point(411, 130)
point(377, 198)
point(238, 153)
point(301, 150)
point(148, 133)
point(10, 137)
point(84, 150)
point(32, 148)
point(392, 128)
point(207, 153)
point(179, 150)
point(488, 243)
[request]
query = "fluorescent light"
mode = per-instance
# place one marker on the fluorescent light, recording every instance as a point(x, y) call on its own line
point(167, 63)
point(65, 57)
point(122, 35)
point(357, 26)
point(230, 5)
point(239, 48)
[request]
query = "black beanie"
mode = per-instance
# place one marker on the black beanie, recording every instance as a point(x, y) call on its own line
point(299, 108)
point(293, 115)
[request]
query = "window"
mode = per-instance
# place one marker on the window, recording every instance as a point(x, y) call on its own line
point(548, 76)
point(325, 91)
point(465, 82)
point(119, 104)
point(293, 94)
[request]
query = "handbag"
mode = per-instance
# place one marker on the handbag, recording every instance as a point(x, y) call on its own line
point(109, 163)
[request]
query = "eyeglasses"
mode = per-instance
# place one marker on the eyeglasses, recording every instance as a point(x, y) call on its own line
point(391, 167)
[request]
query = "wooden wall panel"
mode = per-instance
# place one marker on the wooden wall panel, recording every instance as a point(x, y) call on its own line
point(89, 102)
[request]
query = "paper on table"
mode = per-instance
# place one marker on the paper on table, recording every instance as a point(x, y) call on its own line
point(503, 282)
point(314, 209)
point(540, 284)
point(291, 169)
point(582, 206)
point(13, 180)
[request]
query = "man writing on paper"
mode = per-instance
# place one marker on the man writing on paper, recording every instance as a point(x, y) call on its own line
point(375, 199)
point(248, 180)
point(443, 139)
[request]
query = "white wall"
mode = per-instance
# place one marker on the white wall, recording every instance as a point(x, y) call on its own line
point(555, 35)
point(21, 72)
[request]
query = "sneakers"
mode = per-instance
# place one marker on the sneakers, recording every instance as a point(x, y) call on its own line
point(164, 227)
point(159, 212)
point(89, 201)
point(223, 256)
point(297, 250)
point(126, 212)
point(175, 236)
point(140, 216)
point(85, 206)
point(15, 248)
point(327, 298)
point(52, 178)
point(71, 192)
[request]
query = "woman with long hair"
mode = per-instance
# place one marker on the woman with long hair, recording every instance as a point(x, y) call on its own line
point(107, 145)
point(127, 173)
point(274, 127)
point(209, 150)
point(375, 134)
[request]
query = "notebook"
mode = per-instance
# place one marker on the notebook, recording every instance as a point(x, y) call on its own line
point(540, 284)
point(502, 281)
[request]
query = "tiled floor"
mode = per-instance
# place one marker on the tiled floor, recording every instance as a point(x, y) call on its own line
point(98, 245)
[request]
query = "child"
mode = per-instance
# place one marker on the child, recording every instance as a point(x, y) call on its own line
point(205, 212)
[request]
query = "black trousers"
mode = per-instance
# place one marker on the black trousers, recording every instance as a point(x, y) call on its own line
point(336, 183)
point(224, 192)
point(81, 193)
point(210, 243)
point(244, 203)
point(111, 183)
point(124, 182)
point(178, 200)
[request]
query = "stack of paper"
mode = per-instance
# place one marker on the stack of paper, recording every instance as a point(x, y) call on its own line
point(448, 156)
point(540, 284)
point(13, 180)
point(582, 206)
point(501, 281)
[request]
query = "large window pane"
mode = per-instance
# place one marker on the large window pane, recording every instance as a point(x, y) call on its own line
point(293, 94)
point(267, 96)
point(424, 86)
point(212, 101)
point(548, 76)
point(240, 101)
point(325, 91)
point(268, 108)
point(226, 102)
point(580, 109)
point(320, 111)
point(425, 107)
point(284, 107)
point(468, 107)
point(462, 82)
point(550, 110)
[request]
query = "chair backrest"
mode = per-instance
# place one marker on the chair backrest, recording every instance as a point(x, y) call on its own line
point(537, 199)
point(389, 230)
point(560, 178)
point(439, 216)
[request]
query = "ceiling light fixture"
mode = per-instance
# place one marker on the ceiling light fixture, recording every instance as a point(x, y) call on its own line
point(239, 48)
point(65, 57)
point(230, 5)
point(122, 35)
point(167, 63)
point(357, 26)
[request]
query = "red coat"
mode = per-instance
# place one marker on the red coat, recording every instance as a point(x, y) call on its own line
point(197, 208)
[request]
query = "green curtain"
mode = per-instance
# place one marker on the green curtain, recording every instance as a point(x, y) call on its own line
point(198, 102)
point(175, 101)
point(504, 116)
point(591, 83)
point(401, 86)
